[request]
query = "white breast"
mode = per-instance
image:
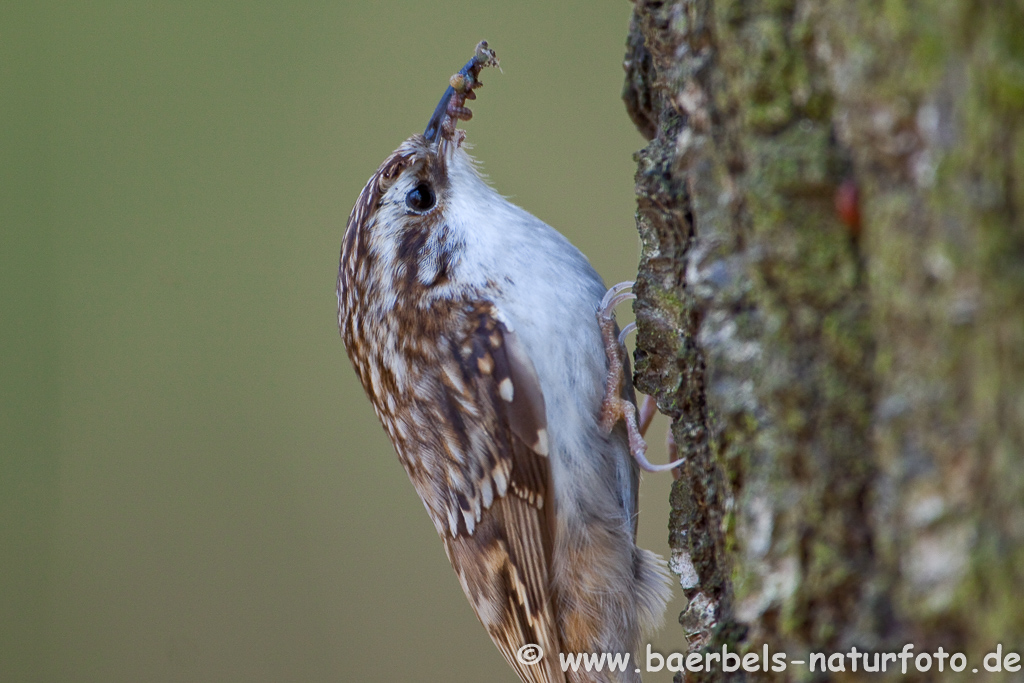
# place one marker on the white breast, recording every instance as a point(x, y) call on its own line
point(550, 293)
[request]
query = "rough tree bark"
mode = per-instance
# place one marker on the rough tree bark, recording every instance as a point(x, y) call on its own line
point(831, 310)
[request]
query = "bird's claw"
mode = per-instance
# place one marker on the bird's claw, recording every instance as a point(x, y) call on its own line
point(614, 407)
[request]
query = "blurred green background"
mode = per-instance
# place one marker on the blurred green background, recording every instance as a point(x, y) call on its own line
point(193, 486)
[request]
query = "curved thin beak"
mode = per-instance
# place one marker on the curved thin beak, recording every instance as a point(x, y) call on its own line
point(440, 112)
point(481, 58)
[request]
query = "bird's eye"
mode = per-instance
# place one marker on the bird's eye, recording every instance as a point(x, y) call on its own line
point(420, 198)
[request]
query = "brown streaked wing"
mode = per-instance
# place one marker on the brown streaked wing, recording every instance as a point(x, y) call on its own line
point(504, 568)
point(495, 508)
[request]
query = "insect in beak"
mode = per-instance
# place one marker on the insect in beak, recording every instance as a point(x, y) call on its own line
point(452, 104)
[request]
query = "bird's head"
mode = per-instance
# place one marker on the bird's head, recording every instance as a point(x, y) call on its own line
point(398, 240)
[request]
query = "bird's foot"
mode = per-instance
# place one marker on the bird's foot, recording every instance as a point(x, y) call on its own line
point(614, 407)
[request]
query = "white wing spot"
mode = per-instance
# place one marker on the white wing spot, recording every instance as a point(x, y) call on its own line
point(500, 481)
point(541, 447)
point(506, 390)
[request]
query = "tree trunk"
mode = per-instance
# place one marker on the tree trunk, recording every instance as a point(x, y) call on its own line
point(831, 310)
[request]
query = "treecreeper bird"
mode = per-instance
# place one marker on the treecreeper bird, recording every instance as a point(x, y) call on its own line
point(486, 342)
